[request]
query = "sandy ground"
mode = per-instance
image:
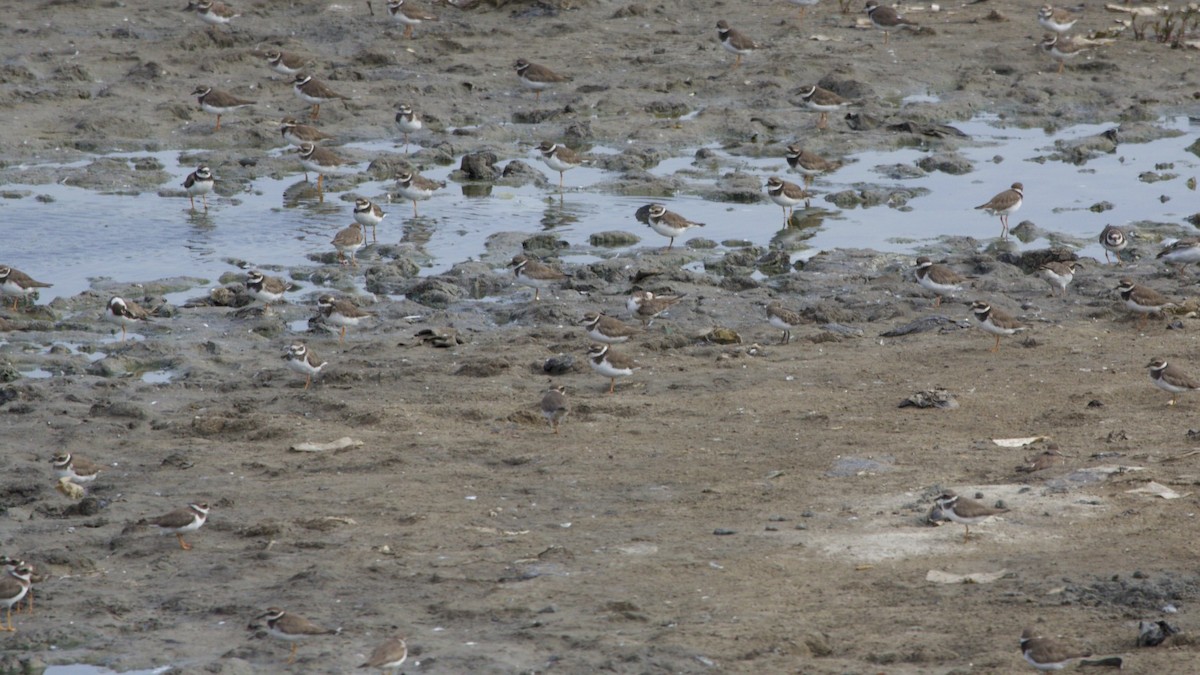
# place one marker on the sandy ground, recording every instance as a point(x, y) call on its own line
point(749, 508)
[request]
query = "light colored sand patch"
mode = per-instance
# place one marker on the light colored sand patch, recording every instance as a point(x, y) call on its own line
point(1037, 513)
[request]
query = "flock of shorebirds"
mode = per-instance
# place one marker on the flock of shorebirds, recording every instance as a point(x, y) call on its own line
point(74, 471)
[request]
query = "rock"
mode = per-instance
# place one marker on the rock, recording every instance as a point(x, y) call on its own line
point(859, 121)
point(1025, 231)
point(667, 109)
point(392, 278)
point(630, 10)
point(845, 199)
point(542, 245)
point(846, 87)
point(439, 338)
point(577, 133)
point(934, 398)
point(559, 365)
point(517, 173)
point(9, 373)
point(818, 644)
point(774, 263)
point(723, 336)
point(613, 239)
point(483, 368)
point(386, 168)
point(946, 162)
point(737, 187)
point(479, 166)
point(899, 171)
point(478, 279)
point(117, 409)
point(741, 260)
point(435, 292)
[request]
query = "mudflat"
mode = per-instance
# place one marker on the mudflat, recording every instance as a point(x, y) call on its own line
point(737, 505)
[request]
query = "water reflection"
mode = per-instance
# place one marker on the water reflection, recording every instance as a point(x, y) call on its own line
point(303, 194)
point(285, 221)
point(561, 214)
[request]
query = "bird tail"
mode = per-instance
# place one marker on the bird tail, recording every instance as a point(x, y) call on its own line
point(1107, 662)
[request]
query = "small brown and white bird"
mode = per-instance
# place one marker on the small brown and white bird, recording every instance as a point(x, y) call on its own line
point(408, 121)
point(126, 313)
point(8, 564)
point(217, 102)
point(17, 285)
point(610, 364)
point(1005, 204)
point(822, 101)
point(347, 242)
point(368, 214)
point(1114, 240)
point(537, 77)
point(315, 92)
point(14, 585)
point(321, 161)
point(213, 13)
point(1182, 252)
point(302, 360)
point(803, 5)
point(938, 278)
point(734, 41)
point(1058, 274)
point(1042, 461)
point(995, 321)
point(1057, 20)
point(965, 511)
point(609, 330)
point(1061, 48)
point(787, 195)
point(199, 182)
point(668, 223)
point(415, 187)
point(286, 63)
point(554, 406)
point(1142, 299)
point(887, 19)
point(264, 288)
point(536, 275)
point(809, 163)
point(560, 158)
point(404, 13)
point(181, 521)
point(74, 467)
point(291, 628)
point(784, 319)
point(298, 134)
point(1045, 653)
point(645, 306)
point(389, 655)
point(341, 312)
point(1171, 379)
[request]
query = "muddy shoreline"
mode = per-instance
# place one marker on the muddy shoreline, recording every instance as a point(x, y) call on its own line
point(740, 507)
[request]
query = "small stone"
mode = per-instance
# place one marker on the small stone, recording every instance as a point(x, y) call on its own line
point(613, 239)
point(723, 532)
point(559, 365)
